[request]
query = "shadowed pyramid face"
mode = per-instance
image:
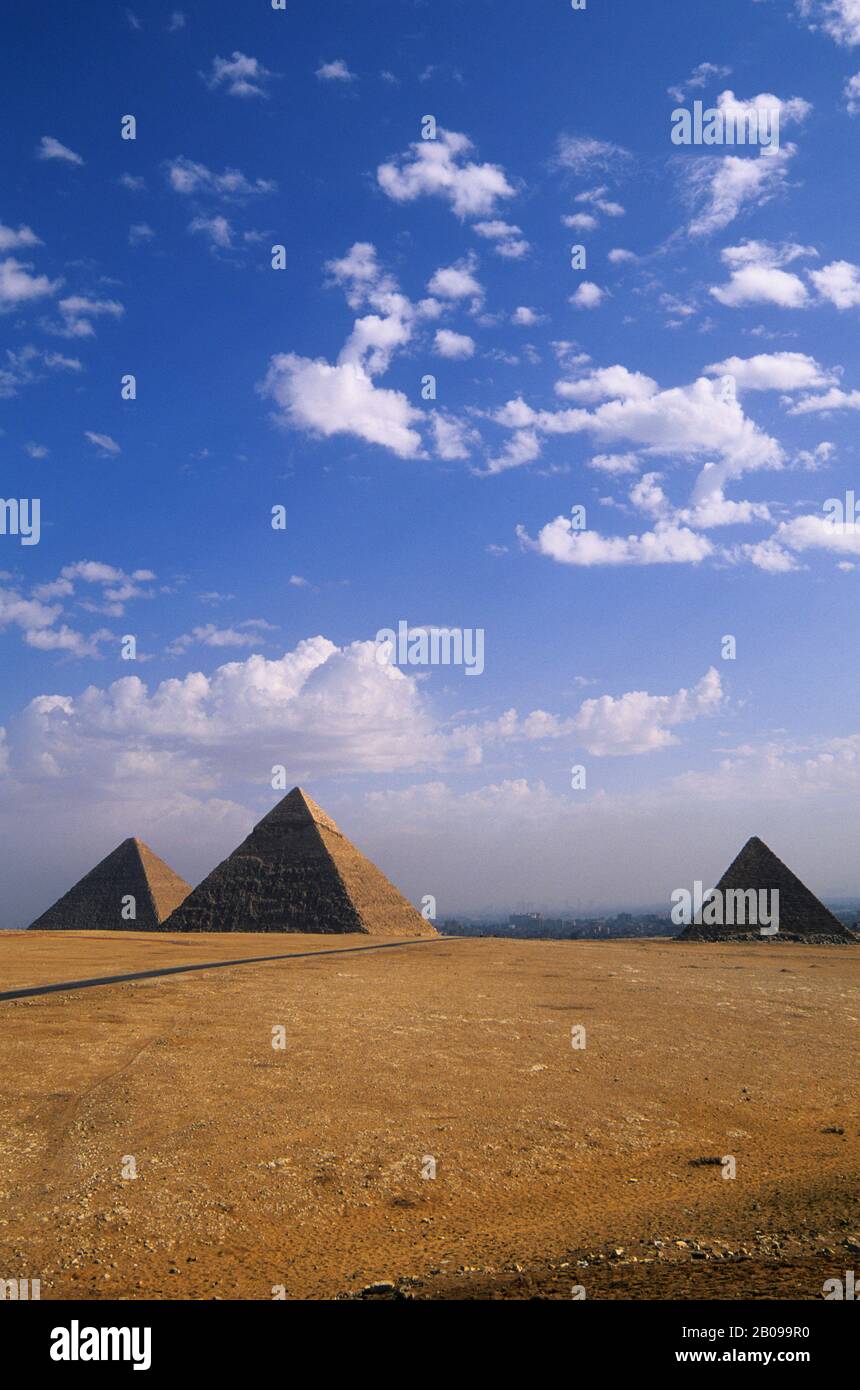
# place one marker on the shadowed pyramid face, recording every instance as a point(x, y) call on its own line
point(757, 869)
point(297, 872)
point(131, 890)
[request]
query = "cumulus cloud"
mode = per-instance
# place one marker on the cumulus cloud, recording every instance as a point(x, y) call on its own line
point(239, 75)
point(456, 281)
point(526, 317)
point(454, 345)
point(453, 438)
point(757, 276)
point(839, 283)
point(641, 723)
point(18, 286)
point(608, 383)
point(834, 399)
point(588, 296)
point(509, 240)
point(187, 177)
point(721, 187)
point(49, 148)
point(580, 221)
point(79, 310)
point(10, 239)
point(838, 18)
point(774, 371)
point(666, 544)
point(686, 422)
point(327, 400)
point(217, 229)
point(336, 71)
point(442, 168)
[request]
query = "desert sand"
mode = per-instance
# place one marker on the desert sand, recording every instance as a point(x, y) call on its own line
point(302, 1167)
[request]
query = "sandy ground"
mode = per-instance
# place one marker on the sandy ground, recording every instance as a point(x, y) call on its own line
point(555, 1166)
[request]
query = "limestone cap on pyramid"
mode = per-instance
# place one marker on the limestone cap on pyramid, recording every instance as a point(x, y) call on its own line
point(802, 916)
point(298, 872)
point(100, 900)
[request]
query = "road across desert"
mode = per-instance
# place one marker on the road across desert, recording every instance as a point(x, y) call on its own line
point(154, 1144)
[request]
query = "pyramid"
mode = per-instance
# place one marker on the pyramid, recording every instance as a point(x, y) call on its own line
point(96, 901)
point(802, 917)
point(297, 872)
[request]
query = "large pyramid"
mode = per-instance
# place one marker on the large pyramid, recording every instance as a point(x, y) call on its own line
point(131, 870)
point(802, 917)
point(297, 872)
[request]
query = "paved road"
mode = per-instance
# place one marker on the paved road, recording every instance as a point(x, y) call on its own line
point(33, 990)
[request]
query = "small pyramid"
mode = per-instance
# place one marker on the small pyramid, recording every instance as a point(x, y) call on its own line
point(802, 916)
point(297, 872)
point(96, 901)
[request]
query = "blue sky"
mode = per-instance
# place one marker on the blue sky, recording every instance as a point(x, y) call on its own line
point(555, 388)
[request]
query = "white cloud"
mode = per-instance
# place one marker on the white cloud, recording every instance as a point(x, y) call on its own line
point(580, 221)
point(720, 187)
point(596, 197)
point(839, 282)
point(217, 229)
point(698, 78)
point(615, 464)
point(641, 723)
point(453, 438)
point(441, 168)
point(583, 155)
point(454, 345)
point(18, 286)
point(336, 71)
point(240, 75)
point(509, 240)
point(339, 709)
point(774, 371)
point(10, 239)
point(139, 233)
point(588, 296)
point(526, 317)
point(78, 311)
point(618, 256)
point(834, 399)
point(328, 400)
point(666, 544)
point(23, 368)
point(608, 383)
point(794, 111)
point(49, 148)
point(456, 281)
point(187, 177)
point(102, 442)
point(758, 278)
point(684, 422)
point(210, 635)
point(819, 533)
point(838, 18)
point(851, 92)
